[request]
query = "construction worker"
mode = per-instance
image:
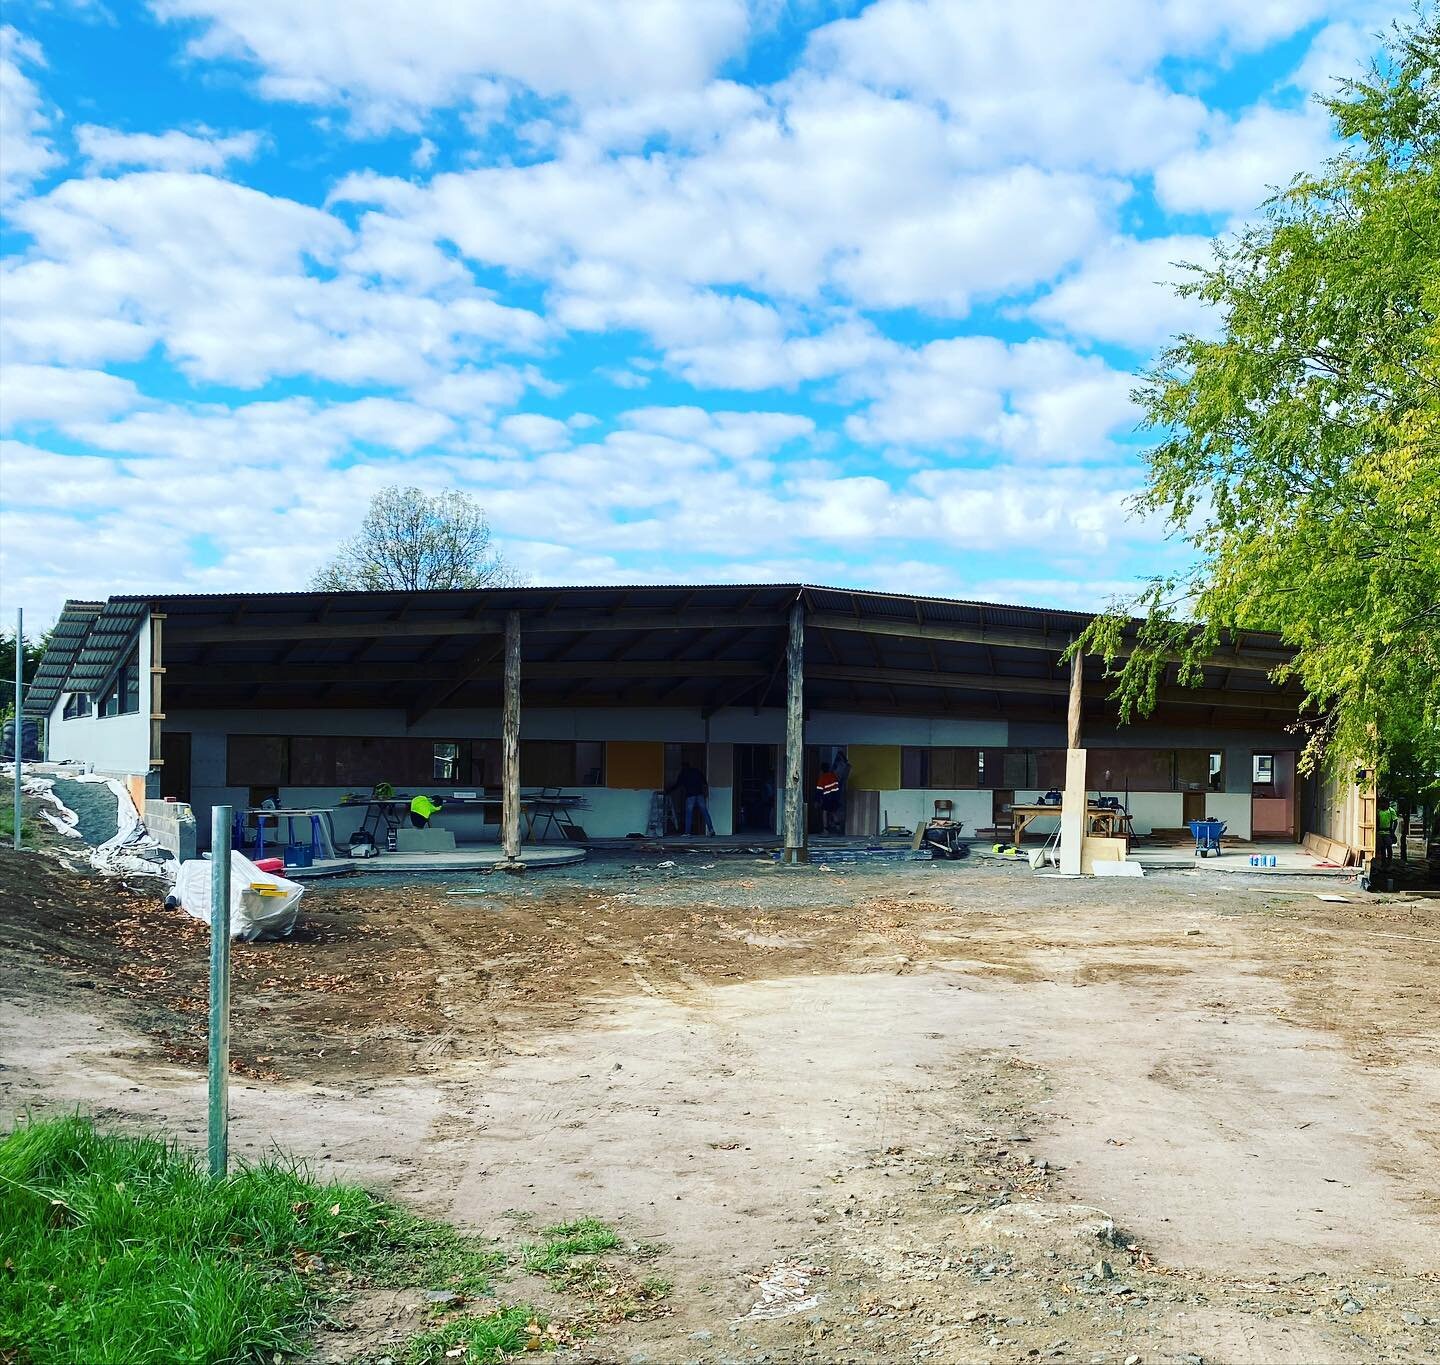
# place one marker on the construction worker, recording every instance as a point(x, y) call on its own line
point(421, 809)
point(827, 793)
point(1385, 828)
point(692, 785)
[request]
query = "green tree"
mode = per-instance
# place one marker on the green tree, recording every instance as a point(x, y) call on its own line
point(412, 541)
point(34, 650)
point(1299, 451)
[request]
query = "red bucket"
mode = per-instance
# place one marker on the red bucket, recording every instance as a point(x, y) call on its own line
point(276, 865)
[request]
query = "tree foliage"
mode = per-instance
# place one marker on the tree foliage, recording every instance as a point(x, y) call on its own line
point(411, 540)
point(1299, 451)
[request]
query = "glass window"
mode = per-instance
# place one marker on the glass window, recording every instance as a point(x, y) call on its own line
point(122, 695)
point(1264, 773)
point(77, 704)
point(446, 765)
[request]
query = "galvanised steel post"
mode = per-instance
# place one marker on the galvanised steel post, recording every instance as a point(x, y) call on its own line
point(220, 817)
point(19, 712)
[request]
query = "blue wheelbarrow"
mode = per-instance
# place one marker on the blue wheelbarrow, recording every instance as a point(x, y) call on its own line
point(1207, 837)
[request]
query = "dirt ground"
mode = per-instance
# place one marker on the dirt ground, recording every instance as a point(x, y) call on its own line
point(949, 1112)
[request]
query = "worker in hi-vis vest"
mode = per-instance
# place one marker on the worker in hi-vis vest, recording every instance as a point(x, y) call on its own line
point(421, 809)
point(1385, 822)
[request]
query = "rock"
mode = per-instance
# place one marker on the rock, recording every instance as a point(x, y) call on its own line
point(1413, 1319)
point(701, 1335)
point(1104, 1270)
point(445, 1298)
point(1132, 1360)
point(1351, 1306)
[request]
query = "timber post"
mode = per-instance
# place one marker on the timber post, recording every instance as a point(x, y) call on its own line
point(1073, 810)
point(510, 745)
point(794, 825)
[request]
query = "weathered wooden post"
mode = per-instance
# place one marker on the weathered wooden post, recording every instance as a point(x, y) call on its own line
point(220, 817)
point(1074, 811)
point(510, 744)
point(794, 824)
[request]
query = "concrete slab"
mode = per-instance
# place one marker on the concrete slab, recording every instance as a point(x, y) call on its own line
point(1291, 860)
point(475, 859)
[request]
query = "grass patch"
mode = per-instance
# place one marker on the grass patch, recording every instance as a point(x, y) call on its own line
point(480, 1339)
point(565, 1241)
point(7, 823)
point(119, 1248)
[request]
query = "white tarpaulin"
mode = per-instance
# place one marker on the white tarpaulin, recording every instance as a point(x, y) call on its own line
point(262, 905)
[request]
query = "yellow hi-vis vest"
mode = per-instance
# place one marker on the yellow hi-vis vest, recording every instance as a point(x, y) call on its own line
point(423, 806)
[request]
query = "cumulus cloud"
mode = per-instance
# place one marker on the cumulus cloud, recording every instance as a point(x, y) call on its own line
point(55, 393)
point(1035, 400)
point(392, 62)
point(874, 302)
point(1125, 293)
point(1244, 160)
point(107, 149)
point(223, 278)
point(26, 151)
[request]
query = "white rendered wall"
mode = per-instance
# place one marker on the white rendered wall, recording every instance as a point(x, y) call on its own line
point(116, 745)
point(1233, 809)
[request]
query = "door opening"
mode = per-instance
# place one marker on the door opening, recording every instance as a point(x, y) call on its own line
point(755, 789)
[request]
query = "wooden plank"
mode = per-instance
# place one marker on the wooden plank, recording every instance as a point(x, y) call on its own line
point(1287, 704)
point(484, 669)
point(1096, 848)
point(1077, 682)
point(794, 795)
point(510, 743)
point(554, 623)
point(1012, 638)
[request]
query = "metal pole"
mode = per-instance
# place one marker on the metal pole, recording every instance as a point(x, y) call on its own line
point(220, 817)
point(19, 709)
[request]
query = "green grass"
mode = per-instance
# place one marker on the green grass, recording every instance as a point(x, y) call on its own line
point(122, 1249)
point(7, 823)
point(565, 1241)
point(480, 1339)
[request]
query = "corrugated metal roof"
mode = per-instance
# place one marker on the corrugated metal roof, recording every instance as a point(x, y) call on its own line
point(360, 648)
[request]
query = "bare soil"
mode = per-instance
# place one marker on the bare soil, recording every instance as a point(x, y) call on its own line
point(959, 1112)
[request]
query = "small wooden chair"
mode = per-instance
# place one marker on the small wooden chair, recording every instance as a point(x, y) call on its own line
point(944, 810)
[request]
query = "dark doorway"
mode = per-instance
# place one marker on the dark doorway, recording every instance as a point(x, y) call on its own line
point(175, 765)
point(755, 789)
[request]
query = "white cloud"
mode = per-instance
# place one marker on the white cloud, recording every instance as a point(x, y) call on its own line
point(26, 152)
point(1035, 400)
point(1031, 81)
point(108, 149)
point(1244, 160)
point(391, 62)
point(223, 278)
point(53, 393)
point(1124, 293)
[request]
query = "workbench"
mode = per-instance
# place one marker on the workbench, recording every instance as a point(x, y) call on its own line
point(549, 809)
point(1107, 821)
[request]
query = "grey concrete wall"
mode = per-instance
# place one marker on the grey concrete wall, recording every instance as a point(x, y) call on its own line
point(172, 823)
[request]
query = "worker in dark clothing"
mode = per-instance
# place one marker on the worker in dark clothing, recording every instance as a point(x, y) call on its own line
point(692, 785)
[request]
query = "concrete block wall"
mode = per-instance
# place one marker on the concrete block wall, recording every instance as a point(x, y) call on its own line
point(172, 823)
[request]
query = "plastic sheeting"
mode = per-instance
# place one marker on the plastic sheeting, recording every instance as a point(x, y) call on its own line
point(262, 905)
point(130, 851)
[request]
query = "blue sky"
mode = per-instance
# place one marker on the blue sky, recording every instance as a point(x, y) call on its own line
point(680, 290)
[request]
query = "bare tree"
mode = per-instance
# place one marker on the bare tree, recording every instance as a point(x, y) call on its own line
point(410, 541)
